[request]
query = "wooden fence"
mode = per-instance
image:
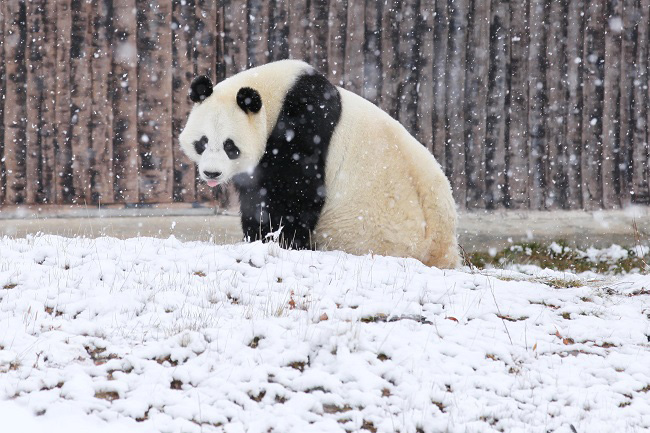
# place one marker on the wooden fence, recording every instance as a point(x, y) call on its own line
point(538, 104)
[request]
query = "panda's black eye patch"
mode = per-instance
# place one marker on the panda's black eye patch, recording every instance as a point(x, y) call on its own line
point(231, 150)
point(200, 145)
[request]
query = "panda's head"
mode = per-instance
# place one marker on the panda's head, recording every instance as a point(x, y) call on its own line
point(226, 131)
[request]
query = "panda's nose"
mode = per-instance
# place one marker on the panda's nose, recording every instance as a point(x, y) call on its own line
point(212, 174)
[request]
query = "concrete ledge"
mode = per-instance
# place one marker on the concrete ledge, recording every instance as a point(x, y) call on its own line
point(481, 230)
point(478, 231)
point(112, 210)
point(218, 228)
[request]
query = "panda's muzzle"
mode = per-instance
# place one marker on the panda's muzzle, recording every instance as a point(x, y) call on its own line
point(211, 174)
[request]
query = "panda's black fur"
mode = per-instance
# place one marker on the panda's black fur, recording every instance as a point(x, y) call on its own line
point(287, 188)
point(201, 88)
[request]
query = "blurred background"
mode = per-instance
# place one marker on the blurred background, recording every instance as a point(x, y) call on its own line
point(527, 104)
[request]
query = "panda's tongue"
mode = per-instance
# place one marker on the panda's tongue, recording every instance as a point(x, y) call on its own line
point(213, 183)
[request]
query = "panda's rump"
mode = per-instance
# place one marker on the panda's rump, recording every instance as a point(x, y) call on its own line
point(372, 202)
point(386, 192)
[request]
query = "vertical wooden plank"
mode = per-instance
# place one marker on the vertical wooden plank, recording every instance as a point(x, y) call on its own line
point(220, 42)
point(495, 129)
point(575, 48)
point(258, 31)
point(205, 28)
point(338, 13)
point(154, 100)
point(537, 103)
point(235, 31)
point(80, 100)
point(34, 99)
point(278, 30)
point(48, 108)
point(390, 57)
point(457, 44)
point(440, 38)
point(183, 74)
point(611, 105)
point(408, 70)
point(640, 168)
point(481, 52)
point(354, 45)
point(101, 114)
point(125, 109)
point(517, 152)
point(592, 126)
point(630, 29)
point(298, 25)
point(646, 157)
point(645, 5)
point(15, 100)
point(3, 174)
point(558, 158)
point(372, 65)
point(426, 56)
point(62, 144)
point(318, 34)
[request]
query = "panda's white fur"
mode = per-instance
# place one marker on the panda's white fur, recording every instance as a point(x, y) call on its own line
point(385, 193)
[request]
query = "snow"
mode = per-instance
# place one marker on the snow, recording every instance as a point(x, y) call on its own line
point(616, 24)
point(151, 335)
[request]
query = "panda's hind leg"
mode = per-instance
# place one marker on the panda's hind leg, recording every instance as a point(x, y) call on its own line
point(444, 255)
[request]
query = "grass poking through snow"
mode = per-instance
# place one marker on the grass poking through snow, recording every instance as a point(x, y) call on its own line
point(559, 256)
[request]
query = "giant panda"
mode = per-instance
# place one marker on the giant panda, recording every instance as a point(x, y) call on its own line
point(322, 166)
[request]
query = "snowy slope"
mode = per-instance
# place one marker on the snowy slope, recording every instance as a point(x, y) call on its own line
point(150, 335)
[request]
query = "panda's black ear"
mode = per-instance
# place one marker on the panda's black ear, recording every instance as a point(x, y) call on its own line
point(249, 100)
point(200, 89)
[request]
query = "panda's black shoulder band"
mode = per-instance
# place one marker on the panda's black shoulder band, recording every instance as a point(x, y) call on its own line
point(249, 100)
point(201, 88)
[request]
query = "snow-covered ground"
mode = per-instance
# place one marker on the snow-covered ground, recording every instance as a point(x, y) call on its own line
point(150, 335)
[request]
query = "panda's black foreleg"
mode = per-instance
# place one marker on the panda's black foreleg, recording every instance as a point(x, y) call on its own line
point(288, 231)
point(252, 228)
point(297, 237)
